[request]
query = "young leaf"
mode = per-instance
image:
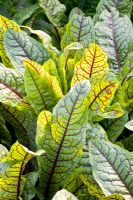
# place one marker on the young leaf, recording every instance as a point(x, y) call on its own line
point(3, 151)
point(93, 64)
point(101, 94)
point(64, 195)
point(19, 47)
point(114, 127)
point(129, 125)
point(116, 37)
point(123, 6)
point(6, 24)
point(11, 181)
point(112, 168)
point(65, 143)
point(23, 120)
point(79, 29)
point(11, 86)
point(43, 90)
point(54, 10)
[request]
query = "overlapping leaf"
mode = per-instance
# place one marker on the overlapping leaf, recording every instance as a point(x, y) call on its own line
point(93, 64)
point(11, 181)
point(3, 151)
point(5, 137)
point(64, 195)
point(102, 93)
point(65, 143)
point(79, 29)
point(54, 10)
point(123, 6)
point(19, 47)
point(116, 37)
point(6, 24)
point(112, 168)
point(43, 90)
point(23, 119)
point(114, 127)
point(11, 86)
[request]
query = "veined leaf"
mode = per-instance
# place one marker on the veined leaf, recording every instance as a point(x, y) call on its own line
point(114, 127)
point(23, 120)
point(19, 47)
point(112, 168)
point(123, 6)
point(115, 44)
point(64, 145)
point(5, 137)
point(79, 29)
point(11, 181)
point(11, 86)
point(6, 24)
point(29, 187)
point(93, 64)
point(64, 195)
point(54, 10)
point(101, 94)
point(43, 90)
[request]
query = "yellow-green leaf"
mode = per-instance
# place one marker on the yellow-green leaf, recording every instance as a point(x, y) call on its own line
point(6, 24)
point(93, 64)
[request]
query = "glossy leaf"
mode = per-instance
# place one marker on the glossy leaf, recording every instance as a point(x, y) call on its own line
point(93, 64)
point(19, 47)
point(11, 181)
point(54, 10)
point(110, 162)
point(79, 29)
point(114, 127)
point(43, 90)
point(123, 6)
point(65, 143)
point(11, 86)
point(116, 38)
point(6, 24)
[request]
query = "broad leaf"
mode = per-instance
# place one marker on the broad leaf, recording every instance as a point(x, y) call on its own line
point(114, 127)
point(11, 86)
point(64, 195)
point(64, 144)
point(43, 90)
point(6, 24)
point(93, 64)
point(116, 37)
point(11, 181)
point(29, 187)
point(19, 47)
point(123, 6)
point(79, 29)
point(112, 168)
point(23, 120)
point(102, 93)
point(54, 10)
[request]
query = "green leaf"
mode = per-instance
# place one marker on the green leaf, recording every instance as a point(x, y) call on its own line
point(6, 24)
point(114, 127)
point(101, 94)
point(64, 195)
point(64, 143)
point(3, 151)
point(43, 90)
point(11, 86)
point(23, 120)
point(25, 13)
point(123, 6)
point(116, 37)
point(129, 125)
point(29, 187)
point(54, 10)
point(128, 142)
point(93, 64)
point(19, 47)
point(112, 168)
point(79, 29)
point(5, 137)
point(11, 181)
